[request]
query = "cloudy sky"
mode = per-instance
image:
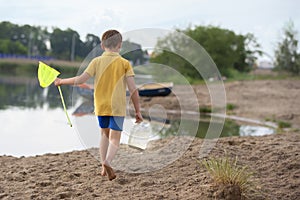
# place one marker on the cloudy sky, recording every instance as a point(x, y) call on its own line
point(263, 18)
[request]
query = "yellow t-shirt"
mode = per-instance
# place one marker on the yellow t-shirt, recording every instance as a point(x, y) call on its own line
point(110, 70)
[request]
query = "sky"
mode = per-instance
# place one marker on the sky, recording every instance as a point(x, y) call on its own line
point(264, 18)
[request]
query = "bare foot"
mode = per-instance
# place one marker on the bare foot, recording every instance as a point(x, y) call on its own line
point(110, 172)
point(103, 172)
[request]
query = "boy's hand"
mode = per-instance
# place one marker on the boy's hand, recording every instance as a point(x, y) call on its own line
point(138, 117)
point(57, 82)
point(85, 86)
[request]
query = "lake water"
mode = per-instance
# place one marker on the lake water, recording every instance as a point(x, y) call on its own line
point(34, 123)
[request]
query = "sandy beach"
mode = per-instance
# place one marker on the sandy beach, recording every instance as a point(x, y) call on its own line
point(274, 159)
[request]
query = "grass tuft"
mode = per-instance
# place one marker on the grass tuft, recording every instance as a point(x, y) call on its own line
point(205, 109)
point(283, 124)
point(227, 172)
point(230, 106)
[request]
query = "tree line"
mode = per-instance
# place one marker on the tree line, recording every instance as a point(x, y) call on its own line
point(30, 41)
point(231, 52)
point(36, 40)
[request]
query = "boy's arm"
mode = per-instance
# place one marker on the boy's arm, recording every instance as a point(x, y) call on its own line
point(77, 80)
point(135, 98)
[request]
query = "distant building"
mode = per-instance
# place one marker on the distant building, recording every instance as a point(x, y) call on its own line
point(265, 65)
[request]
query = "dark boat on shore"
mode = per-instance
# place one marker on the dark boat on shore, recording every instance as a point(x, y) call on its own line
point(155, 89)
point(147, 90)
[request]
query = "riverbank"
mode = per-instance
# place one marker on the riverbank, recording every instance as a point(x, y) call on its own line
point(52, 62)
point(266, 100)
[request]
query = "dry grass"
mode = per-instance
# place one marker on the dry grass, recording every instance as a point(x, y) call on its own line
point(227, 172)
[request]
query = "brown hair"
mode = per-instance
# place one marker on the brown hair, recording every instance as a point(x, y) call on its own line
point(111, 39)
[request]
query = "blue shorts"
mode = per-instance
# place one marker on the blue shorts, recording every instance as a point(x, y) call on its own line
point(112, 122)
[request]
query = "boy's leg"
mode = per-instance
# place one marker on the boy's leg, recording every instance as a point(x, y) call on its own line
point(104, 143)
point(114, 143)
point(115, 125)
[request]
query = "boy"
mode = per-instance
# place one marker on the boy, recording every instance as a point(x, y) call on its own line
point(111, 72)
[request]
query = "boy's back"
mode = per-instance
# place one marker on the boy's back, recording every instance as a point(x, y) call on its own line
point(110, 70)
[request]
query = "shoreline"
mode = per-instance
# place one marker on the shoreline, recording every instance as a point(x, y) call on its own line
point(54, 62)
point(263, 100)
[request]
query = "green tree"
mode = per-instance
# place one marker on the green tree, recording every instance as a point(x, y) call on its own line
point(11, 47)
point(91, 41)
point(133, 52)
point(228, 50)
point(32, 38)
point(6, 30)
point(287, 55)
point(65, 44)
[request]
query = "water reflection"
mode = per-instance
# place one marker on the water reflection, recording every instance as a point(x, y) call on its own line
point(29, 132)
point(25, 92)
point(33, 120)
point(247, 130)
